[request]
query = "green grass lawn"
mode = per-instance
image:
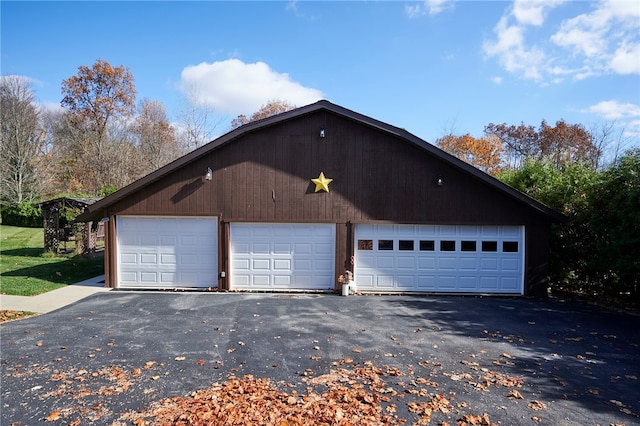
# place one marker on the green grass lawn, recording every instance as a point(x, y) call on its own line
point(26, 271)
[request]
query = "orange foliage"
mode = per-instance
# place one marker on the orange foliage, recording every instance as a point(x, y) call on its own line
point(272, 107)
point(484, 153)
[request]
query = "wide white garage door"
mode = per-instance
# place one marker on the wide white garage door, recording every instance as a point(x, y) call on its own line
point(437, 258)
point(167, 252)
point(275, 256)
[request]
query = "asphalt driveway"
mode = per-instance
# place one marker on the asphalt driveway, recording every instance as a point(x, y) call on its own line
point(519, 361)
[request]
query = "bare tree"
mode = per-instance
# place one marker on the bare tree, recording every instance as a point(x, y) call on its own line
point(611, 139)
point(21, 141)
point(559, 144)
point(156, 138)
point(197, 122)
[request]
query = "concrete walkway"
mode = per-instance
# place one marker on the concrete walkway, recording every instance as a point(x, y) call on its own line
point(52, 300)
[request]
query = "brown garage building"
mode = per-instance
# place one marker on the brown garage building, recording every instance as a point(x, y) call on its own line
point(292, 201)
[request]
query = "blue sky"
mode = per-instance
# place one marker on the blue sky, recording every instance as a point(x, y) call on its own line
point(431, 67)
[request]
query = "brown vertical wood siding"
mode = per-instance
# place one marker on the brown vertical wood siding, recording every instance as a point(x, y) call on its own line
point(265, 176)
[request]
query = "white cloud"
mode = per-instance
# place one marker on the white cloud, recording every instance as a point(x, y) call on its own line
point(513, 53)
point(603, 40)
point(626, 59)
point(234, 87)
point(533, 12)
point(430, 7)
point(614, 110)
point(497, 80)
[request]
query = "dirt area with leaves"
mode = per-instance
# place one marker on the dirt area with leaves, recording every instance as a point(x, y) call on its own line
point(9, 315)
point(274, 359)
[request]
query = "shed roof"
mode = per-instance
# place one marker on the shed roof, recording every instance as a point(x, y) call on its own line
point(76, 202)
point(95, 211)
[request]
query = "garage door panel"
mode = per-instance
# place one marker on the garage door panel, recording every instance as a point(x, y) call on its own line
point(488, 264)
point(428, 263)
point(426, 283)
point(407, 281)
point(386, 282)
point(447, 282)
point(261, 280)
point(272, 256)
point(148, 277)
point(261, 265)
point(149, 258)
point(129, 258)
point(468, 263)
point(167, 252)
point(147, 241)
point(282, 281)
point(510, 264)
point(325, 248)
point(258, 248)
point(509, 284)
point(448, 263)
point(282, 265)
point(468, 283)
point(323, 265)
point(488, 283)
point(407, 263)
point(455, 258)
point(385, 262)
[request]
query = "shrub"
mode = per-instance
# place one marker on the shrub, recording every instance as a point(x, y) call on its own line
point(25, 214)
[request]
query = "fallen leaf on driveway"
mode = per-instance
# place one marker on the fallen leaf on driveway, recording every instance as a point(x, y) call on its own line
point(179, 358)
point(53, 416)
point(514, 394)
point(537, 405)
point(475, 420)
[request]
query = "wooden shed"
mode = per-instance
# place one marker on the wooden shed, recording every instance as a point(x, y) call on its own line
point(292, 201)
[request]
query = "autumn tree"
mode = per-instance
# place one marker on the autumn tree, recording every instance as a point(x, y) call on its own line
point(156, 139)
point(95, 99)
point(20, 141)
point(272, 107)
point(484, 153)
point(559, 144)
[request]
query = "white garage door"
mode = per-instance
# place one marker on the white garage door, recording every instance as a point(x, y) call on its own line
point(437, 258)
point(274, 256)
point(167, 252)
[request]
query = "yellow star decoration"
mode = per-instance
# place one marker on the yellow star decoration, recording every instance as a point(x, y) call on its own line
point(322, 183)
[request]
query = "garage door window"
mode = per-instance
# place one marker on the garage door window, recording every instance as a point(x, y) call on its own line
point(365, 244)
point(385, 244)
point(510, 246)
point(468, 246)
point(447, 245)
point(405, 245)
point(490, 246)
point(427, 245)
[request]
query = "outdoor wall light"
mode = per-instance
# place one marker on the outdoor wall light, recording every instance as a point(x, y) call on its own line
point(439, 181)
point(209, 174)
point(322, 132)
